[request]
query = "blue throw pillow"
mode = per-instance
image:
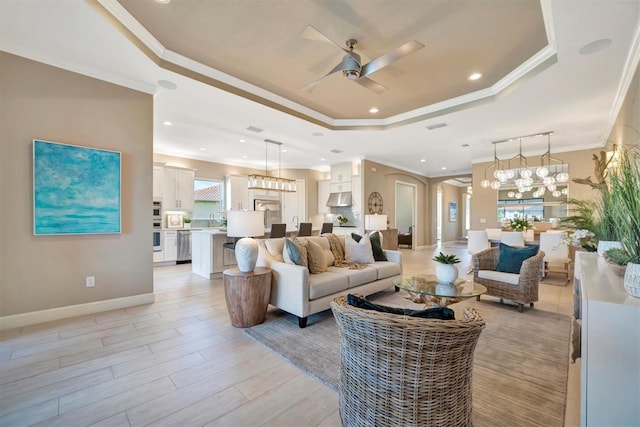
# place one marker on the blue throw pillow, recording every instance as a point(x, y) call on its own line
point(511, 258)
point(441, 313)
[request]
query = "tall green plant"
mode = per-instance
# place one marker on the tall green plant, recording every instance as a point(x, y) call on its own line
point(624, 184)
point(606, 224)
point(582, 215)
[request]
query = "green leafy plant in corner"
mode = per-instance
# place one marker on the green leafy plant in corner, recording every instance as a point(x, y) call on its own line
point(618, 256)
point(582, 215)
point(187, 220)
point(624, 183)
point(446, 259)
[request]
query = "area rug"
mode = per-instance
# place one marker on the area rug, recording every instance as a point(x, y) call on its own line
point(520, 364)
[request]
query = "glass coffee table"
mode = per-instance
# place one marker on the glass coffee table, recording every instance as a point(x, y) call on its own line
point(426, 289)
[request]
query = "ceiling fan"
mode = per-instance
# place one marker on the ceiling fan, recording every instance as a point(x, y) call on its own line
point(351, 64)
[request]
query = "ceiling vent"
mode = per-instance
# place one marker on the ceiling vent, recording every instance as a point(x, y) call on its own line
point(466, 145)
point(255, 129)
point(336, 151)
point(436, 126)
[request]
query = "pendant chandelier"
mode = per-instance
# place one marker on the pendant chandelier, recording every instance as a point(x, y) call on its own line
point(271, 183)
point(546, 176)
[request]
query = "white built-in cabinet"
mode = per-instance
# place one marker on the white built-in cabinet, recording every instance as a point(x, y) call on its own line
point(237, 192)
point(158, 181)
point(178, 188)
point(170, 248)
point(340, 178)
point(323, 196)
point(294, 205)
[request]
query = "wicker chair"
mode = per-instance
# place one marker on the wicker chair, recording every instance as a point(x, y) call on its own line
point(405, 371)
point(523, 290)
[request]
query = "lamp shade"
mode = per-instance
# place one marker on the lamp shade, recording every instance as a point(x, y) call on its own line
point(375, 222)
point(245, 223)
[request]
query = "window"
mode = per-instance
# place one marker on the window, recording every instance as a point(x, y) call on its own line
point(522, 207)
point(208, 200)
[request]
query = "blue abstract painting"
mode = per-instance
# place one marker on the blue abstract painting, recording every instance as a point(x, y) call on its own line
point(76, 190)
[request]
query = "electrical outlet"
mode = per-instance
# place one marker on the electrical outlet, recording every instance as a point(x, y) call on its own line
point(90, 281)
point(483, 220)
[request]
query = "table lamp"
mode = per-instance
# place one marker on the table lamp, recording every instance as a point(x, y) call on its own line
point(245, 224)
point(375, 222)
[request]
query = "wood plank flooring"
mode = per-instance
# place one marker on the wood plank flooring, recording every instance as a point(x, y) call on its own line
point(179, 362)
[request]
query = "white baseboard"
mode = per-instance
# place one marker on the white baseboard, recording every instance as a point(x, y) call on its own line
point(35, 317)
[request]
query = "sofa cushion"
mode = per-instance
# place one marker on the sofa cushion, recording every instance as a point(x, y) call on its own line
point(376, 244)
point(295, 252)
point(498, 276)
point(511, 258)
point(386, 269)
point(358, 252)
point(441, 313)
point(327, 283)
point(357, 277)
point(275, 247)
point(315, 257)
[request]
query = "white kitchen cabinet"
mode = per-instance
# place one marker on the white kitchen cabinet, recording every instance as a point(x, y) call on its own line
point(294, 205)
point(170, 245)
point(158, 256)
point(178, 188)
point(158, 181)
point(323, 196)
point(341, 173)
point(356, 194)
point(237, 192)
point(340, 187)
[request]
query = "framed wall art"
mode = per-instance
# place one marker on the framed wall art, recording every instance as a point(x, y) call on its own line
point(453, 212)
point(175, 221)
point(76, 190)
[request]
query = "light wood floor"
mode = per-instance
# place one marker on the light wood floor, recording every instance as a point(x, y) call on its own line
point(179, 362)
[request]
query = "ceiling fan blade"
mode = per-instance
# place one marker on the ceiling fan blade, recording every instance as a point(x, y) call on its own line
point(371, 85)
point(340, 67)
point(390, 57)
point(311, 33)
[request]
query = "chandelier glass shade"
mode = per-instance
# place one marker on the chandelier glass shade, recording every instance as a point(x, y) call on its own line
point(271, 183)
point(522, 177)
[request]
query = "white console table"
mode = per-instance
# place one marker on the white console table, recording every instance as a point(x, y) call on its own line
point(610, 377)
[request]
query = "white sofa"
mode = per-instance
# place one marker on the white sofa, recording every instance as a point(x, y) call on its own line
point(296, 291)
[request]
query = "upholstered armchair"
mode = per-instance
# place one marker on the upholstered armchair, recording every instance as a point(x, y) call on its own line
point(521, 288)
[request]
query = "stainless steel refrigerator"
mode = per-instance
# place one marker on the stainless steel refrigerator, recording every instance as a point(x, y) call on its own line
point(272, 212)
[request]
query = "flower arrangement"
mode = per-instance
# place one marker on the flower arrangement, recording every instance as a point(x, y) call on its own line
point(342, 219)
point(518, 223)
point(581, 238)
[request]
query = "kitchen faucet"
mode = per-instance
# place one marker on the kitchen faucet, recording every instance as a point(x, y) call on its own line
point(211, 219)
point(296, 218)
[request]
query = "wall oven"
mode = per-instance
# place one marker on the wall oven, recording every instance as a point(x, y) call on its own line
point(157, 226)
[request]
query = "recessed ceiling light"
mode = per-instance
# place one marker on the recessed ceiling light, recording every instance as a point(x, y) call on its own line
point(423, 160)
point(166, 84)
point(475, 76)
point(167, 123)
point(323, 160)
point(284, 150)
point(443, 168)
point(317, 134)
point(244, 157)
point(242, 140)
point(163, 1)
point(203, 149)
point(373, 110)
point(595, 46)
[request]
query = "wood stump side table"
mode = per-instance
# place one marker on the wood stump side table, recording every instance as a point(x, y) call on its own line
point(247, 295)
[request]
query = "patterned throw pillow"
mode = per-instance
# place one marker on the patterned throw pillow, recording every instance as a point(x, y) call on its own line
point(358, 252)
point(295, 252)
point(511, 258)
point(315, 257)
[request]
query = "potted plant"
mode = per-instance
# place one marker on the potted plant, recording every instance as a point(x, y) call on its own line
point(446, 271)
point(519, 223)
point(624, 183)
point(342, 220)
point(187, 222)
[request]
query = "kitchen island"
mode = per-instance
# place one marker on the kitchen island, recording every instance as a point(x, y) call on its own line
point(209, 258)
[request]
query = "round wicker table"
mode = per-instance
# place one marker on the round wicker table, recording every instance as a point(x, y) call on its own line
point(427, 289)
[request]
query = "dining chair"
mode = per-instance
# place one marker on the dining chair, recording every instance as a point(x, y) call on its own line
point(556, 258)
point(327, 227)
point(477, 240)
point(494, 233)
point(512, 238)
point(305, 229)
point(278, 230)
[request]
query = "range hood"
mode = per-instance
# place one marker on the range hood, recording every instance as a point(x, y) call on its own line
point(339, 199)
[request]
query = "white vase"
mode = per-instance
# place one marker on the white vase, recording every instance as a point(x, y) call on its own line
point(446, 289)
point(605, 245)
point(632, 279)
point(246, 254)
point(446, 273)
